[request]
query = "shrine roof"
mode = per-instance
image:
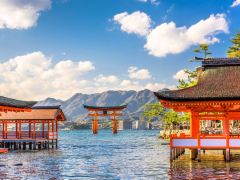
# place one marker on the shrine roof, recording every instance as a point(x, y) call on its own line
point(219, 79)
point(37, 113)
point(120, 107)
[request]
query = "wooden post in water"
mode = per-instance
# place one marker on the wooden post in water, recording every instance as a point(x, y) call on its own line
point(227, 149)
point(199, 149)
point(114, 123)
point(171, 149)
point(193, 154)
point(95, 124)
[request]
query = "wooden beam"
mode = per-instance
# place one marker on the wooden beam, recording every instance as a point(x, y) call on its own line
point(105, 115)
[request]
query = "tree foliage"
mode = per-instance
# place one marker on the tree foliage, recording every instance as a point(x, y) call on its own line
point(234, 50)
point(192, 75)
point(172, 118)
point(203, 49)
point(191, 80)
point(152, 111)
point(169, 117)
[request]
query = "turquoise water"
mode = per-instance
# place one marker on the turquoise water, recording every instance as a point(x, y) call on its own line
point(127, 155)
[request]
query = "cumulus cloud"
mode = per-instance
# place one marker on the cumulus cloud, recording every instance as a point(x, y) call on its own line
point(235, 3)
point(155, 2)
point(181, 75)
point(138, 22)
point(35, 76)
point(135, 85)
point(167, 38)
point(136, 73)
point(158, 86)
point(130, 85)
point(106, 79)
point(15, 14)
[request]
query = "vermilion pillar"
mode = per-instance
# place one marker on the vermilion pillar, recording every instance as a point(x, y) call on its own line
point(20, 130)
point(17, 130)
point(3, 130)
point(43, 129)
point(95, 124)
point(34, 129)
point(114, 124)
point(30, 130)
point(226, 125)
point(195, 124)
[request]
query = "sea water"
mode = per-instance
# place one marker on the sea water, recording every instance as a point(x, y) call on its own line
point(130, 154)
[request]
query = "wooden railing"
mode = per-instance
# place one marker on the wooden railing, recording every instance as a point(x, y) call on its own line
point(28, 135)
point(205, 142)
point(52, 135)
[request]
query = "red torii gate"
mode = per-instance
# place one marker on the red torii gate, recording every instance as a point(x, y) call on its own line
point(112, 111)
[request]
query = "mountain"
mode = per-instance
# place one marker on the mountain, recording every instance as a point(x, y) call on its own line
point(74, 111)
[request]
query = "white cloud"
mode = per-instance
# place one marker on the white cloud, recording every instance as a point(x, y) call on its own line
point(138, 22)
point(155, 2)
point(168, 39)
point(135, 85)
point(136, 73)
point(35, 76)
point(15, 14)
point(106, 79)
point(157, 86)
point(130, 85)
point(181, 75)
point(235, 3)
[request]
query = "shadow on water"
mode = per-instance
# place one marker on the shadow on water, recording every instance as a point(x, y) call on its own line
point(127, 155)
point(212, 167)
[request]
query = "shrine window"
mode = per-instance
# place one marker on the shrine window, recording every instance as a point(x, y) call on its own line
point(211, 127)
point(234, 127)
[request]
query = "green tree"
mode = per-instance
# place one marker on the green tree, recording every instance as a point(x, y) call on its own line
point(234, 50)
point(152, 110)
point(192, 75)
point(191, 80)
point(171, 119)
point(203, 49)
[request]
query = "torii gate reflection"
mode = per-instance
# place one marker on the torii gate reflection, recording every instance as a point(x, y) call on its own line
point(111, 111)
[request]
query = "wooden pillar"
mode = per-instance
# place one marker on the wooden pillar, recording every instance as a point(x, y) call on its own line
point(56, 133)
point(194, 124)
point(16, 130)
point(34, 129)
point(24, 145)
point(199, 149)
point(43, 129)
point(6, 130)
point(95, 124)
point(48, 133)
point(52, 125)
point(53, 133)
point(171, 149)
point(3, 130)
point(227, 149)
point(114, 123)
point(30, 129)
point(226, 124)
point(20, 130)
point(193, 154)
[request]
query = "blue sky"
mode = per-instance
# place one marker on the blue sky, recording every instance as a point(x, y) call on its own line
point(57, 48)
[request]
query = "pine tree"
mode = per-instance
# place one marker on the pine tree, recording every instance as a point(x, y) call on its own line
point(204, 49)
point(234, 50)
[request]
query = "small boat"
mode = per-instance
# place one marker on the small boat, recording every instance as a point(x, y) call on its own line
point(3, 150)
